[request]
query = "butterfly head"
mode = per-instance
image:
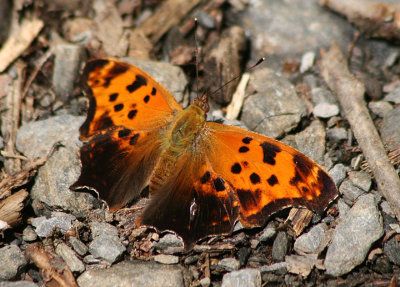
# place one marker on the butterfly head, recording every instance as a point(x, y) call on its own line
point(202, 103)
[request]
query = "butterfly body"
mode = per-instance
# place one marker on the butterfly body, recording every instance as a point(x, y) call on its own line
point(203, 176)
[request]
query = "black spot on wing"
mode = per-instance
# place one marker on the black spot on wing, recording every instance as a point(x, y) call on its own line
point(247, 140)
point(118, 107)
point(236, 168)
point(146, 99)
point(153, 92)
point(124, 133)
point(118, 69)
point(206, 177)
point(269, 152)
point(132, 114)
point(113, 97)
point(248, 199)
point(139, 82)
point(104, 122)
point(272, 180)
point(296, 179)
point(255, 178)
point(107, 81)
point(243, 149)
point(219, 184)
point(95, 65)
point(134, 139)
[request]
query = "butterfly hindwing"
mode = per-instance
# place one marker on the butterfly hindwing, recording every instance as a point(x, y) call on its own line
point(267, 175)
point(118, 164)
point(194, 202)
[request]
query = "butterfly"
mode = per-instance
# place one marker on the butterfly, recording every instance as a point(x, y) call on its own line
point(202, 176)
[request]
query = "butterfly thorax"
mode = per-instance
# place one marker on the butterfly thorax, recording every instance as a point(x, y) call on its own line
point(181, 139)
point(186, 127)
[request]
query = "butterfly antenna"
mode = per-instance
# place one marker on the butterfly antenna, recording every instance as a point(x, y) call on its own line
point(262, 59)
point(196, 55)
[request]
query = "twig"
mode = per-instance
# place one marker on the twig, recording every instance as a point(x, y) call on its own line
point(42, 61)
point(350, 93)
point(233, 110)
point(11, 155)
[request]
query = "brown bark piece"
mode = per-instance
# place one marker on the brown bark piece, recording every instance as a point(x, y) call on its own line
point(224, 63)
point(11, 207)
point(374, 19)
point(168, 14)
point(300, 218)
point(53, 269)
point(350, 93)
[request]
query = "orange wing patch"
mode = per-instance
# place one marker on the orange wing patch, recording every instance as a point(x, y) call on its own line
point(123, 95)
point(267, 175)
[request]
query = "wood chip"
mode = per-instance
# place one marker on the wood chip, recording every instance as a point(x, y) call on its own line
point(11, 207)
point(19, 41)
point(300, 218)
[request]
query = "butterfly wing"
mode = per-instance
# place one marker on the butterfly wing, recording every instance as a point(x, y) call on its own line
point(123, 95)
point(267, 174)
point(230, 174)
point(194, 201)
point(128, 113)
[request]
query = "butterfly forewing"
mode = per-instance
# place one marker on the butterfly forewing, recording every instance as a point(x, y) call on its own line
point(123, 95)
point(128, 112)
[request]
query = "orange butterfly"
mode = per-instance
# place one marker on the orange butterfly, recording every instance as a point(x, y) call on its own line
point(203, 175)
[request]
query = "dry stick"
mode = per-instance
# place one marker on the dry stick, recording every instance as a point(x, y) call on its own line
point(350, 93)
point(233, 109)
point(42, 61)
